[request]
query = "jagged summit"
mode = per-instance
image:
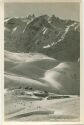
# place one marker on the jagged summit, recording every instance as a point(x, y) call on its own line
point(52, 36)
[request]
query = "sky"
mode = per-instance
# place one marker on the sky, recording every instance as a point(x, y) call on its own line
point(63, 10)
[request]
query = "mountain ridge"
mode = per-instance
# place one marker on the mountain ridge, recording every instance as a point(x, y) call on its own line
point(51, 36)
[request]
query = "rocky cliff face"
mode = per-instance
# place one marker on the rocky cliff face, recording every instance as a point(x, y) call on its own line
point(52, 36)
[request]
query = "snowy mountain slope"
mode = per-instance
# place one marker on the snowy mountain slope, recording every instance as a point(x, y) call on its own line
point(45, 49)
point(67, 74)
point(41, 69)
point(45, 74)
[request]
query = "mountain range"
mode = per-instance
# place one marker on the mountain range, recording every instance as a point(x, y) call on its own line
point(52, 36)
point(43, 53)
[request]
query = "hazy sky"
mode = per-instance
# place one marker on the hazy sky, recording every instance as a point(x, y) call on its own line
point(63, 10)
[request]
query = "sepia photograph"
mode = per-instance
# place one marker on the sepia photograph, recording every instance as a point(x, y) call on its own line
point(42, 62)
